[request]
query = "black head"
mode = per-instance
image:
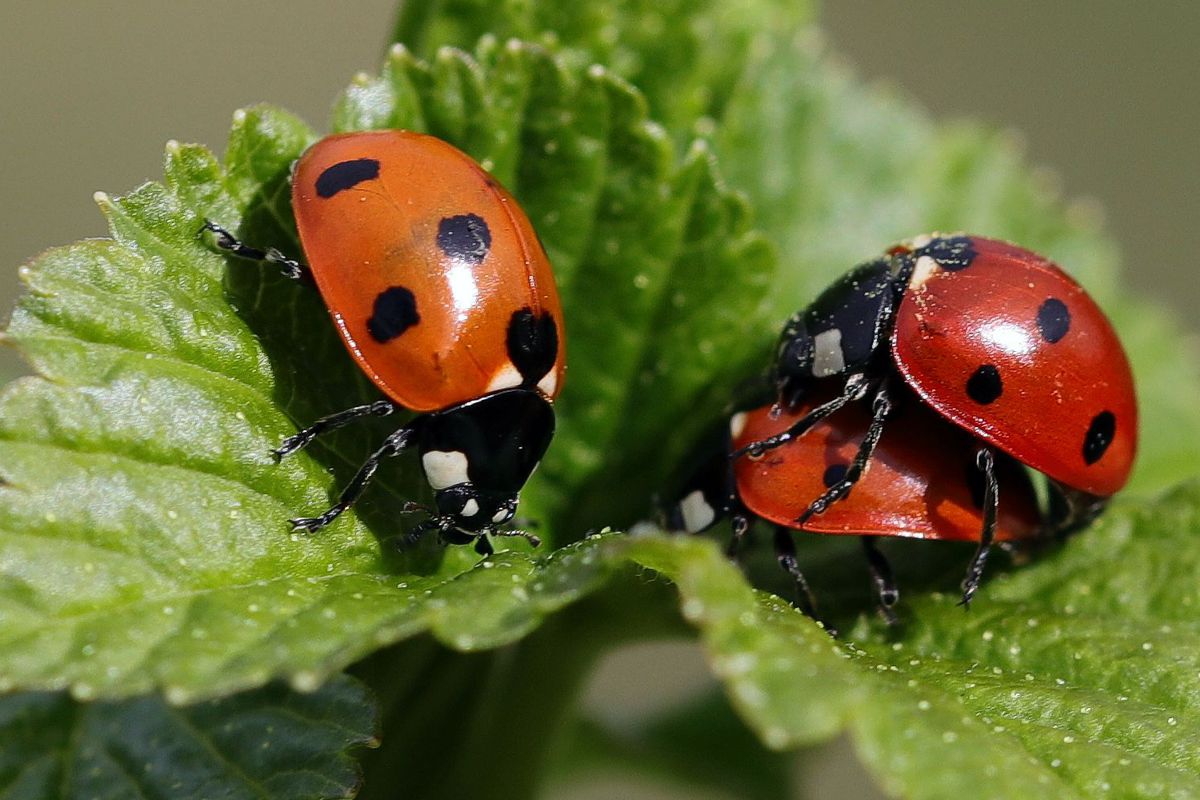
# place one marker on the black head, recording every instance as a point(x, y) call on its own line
point(842, 331)
point(478, 455)
point(474, 511)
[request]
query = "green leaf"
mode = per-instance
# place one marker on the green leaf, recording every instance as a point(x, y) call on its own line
point(1076, 677)
point(266, 743)
point(142, 519)
point(686, 56)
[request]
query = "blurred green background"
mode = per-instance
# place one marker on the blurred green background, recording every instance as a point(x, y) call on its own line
point(1102, 91)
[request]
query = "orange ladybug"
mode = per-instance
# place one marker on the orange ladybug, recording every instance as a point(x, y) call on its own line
point(444, 296)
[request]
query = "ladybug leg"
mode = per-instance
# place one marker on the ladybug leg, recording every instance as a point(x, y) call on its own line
point(881, 574)
point(526, 535)
point(740, 524)
point(1071, 510)
point(410, 539)
point(785, 551)
point(881, 406)
point(331, 423)
point(483, 546)
point(224, 240)
point(856, 388)
point(391, 446)
point(991, 504)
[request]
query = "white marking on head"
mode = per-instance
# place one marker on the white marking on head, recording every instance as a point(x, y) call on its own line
point(549, 383)
point(827, 353)
point(470, 508)
point(503, 515)
point(506, 378)
point(917, 242)
point(737, 424)
point(444, 469)
point(697, 513)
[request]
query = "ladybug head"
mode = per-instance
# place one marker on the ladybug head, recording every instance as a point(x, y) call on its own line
point(475, 510)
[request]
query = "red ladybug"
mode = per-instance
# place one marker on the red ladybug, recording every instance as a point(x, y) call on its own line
point(442, 293)
point(986, 336)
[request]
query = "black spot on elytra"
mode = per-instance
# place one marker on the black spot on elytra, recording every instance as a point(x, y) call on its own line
point(1053, 320)
point(1099, 436)
point(395, 312)
point(532, 344)
point(465, 237)
point(834, 474)
point(984, 385)
point(952, 253)
point(346, 175)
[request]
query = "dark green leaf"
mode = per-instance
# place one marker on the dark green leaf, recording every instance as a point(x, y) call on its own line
point(268, 743)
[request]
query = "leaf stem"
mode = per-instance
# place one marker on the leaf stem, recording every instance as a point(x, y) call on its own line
point(485, 725)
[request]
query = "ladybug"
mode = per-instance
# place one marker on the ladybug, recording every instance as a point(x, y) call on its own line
point(443, 295)
point(964, 349)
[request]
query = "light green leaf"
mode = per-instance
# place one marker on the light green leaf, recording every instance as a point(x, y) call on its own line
point(1076, 677)
point(686, 56)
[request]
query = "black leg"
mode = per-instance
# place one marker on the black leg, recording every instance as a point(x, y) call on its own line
point(881, 575)
point(880, 408)
point(1070, 510)
point(391, 446)
point(483, 546)
point(331, 423)
point(526, 535)
point(740, 523)
point(227, 242)
point(785, 551)
point(408, 540)
point(856, 388)
point(991, 505)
